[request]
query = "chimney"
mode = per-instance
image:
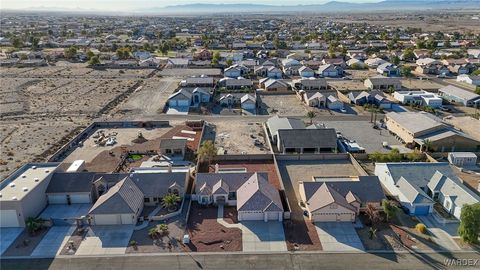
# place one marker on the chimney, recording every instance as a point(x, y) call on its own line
point(216, 168)
point(169, 167)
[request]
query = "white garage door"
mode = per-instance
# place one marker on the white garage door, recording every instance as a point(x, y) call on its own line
point(250, 216)
point(183, 103)
point(8, 218)
point(107, 219)
point(127, 219)
point(57, 199)
point(80, 198)
point(172, 103)
point(273, 215)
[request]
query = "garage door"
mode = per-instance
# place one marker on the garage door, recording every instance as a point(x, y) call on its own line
point(57, 199)
point(8, 218)
point(273, 215)
point(107, 220)
point(127, 219)
point(80, 198)
point(422, 210)
point(183, 103)
point(251, 216)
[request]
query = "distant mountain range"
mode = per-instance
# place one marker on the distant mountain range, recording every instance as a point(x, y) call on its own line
point(333, 6)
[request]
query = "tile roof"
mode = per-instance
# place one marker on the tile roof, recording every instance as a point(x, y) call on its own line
point(123, 198)
point(70, 182)
point(256, 194)
point(308, 138)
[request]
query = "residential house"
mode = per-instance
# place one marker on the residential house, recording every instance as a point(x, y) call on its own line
point(422, 98)
point(276, 123)
point(177, 63)
point(388, 69)
point(189, 97)
point(273, 85)
point(458, 95)
point(421, 184)
point(340, 199)
point(203, 54)
point(235, 83)
point(383, 83)
point(470, 79)
point(306, 72)
point(248, 102)
point(198, 81)
point(418, 128)
point(173, 148)
point(355, 63)
point(235, 71)
point(254, 197)
point(330, 70)
point(310, 83)
point(374, 62)
point(373, 97)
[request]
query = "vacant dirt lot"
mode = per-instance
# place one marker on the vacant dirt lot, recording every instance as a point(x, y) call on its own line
point(150, 98)
point(416, 84)
point(238, 137)
point(347, 85)
point(27, 140)
point(185, 72)
point(282, 104)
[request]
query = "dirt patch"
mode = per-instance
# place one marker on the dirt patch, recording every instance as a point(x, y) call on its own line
point(74, 241)
point(230, 215)
point(301, 234)
point(208, 235)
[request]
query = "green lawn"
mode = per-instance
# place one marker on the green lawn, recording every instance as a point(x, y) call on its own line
point(135, 157)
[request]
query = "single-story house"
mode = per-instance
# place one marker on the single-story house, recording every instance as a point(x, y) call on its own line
point(420, 97)
point(248, 102)
point(458, 95)
point(383, 83)
point(470, 79)
point(340, 200)
point(188, 97)
point(71, 188)
point(388, 69)
point(310, 83)
point(173, 147)
point(276, 123)
point(419, 185)
point(306, 72)
point(177, 63)
point(374, 62)
point(330, 70)
point(273, 85)
point(254, 197)
point(462, 159)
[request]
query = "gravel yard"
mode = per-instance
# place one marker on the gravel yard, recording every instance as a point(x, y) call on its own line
point(347, 85)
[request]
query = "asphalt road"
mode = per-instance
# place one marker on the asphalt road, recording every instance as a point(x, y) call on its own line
point(276, 261)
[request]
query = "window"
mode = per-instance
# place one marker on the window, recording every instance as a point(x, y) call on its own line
point(146, 200)
point(333, 206)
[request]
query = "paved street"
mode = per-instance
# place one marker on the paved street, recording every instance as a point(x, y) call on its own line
point(276, 261)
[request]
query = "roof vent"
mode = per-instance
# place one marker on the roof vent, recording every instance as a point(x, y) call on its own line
point(34, 167)
point(47, 170)
point(14, 198)
point(36, 179)
point(12, 184)
point(24, 176)
point(25, 189)
point(0, 195)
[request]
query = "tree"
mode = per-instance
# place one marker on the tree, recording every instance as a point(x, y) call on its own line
point(163, 228)
point(153, 232)
point(229, 62)
point(389, 208)
point(170, 201)
point(469, 228)
point(17, 42)
point(477, 90)
point(90, 54)
point(207, 152)
point(427, 144)
point(372, 213)
point(408, 54)
point(70, 52)
point(94, 61)
point(311, 115)
point(34, 224)
point(216, 58)
point(395, 60)
point(406, 71)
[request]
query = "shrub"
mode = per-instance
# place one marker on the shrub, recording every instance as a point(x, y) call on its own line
point(421, 228)
point(132, 243)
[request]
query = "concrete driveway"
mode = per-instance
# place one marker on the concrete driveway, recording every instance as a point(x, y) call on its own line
point(53, 242)
point(104, 240)
point(263, 236)
point(62, 211)
point(338, 236)
point(442, 233)
point(178, 110)
point(7, 236)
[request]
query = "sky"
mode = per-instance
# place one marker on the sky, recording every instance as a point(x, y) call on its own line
point(129, 5)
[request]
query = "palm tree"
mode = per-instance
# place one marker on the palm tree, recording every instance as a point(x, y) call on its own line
point(207, 152)
point(311, 115)
point(428, 144)
point(170, 201)
point(163, 228)
point(153, 232)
